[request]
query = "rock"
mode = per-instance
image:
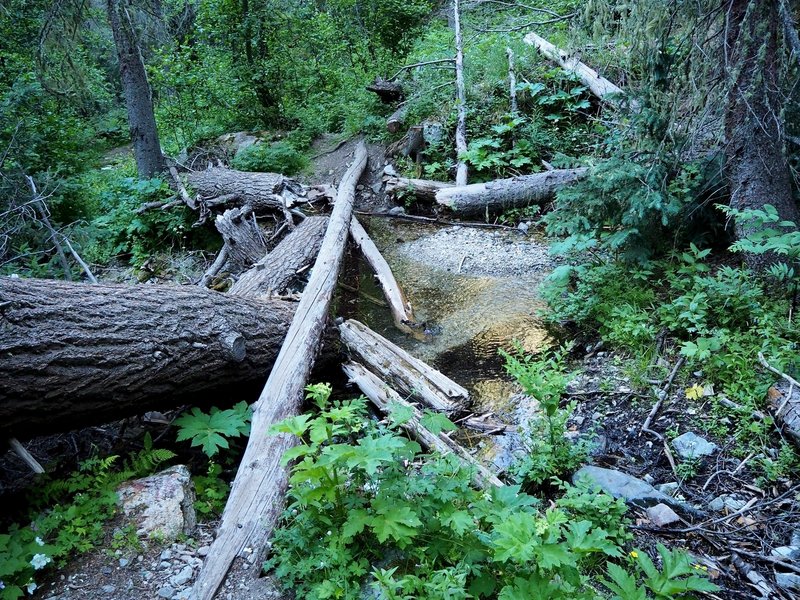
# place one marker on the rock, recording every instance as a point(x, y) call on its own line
point(203, 550)
point(123, 562)
point(396, 210)
point(662, 515)
point(108, 589)
point(729, 501)
point(377, 187)
point(161, 504)
point(183, 577)
point(795, 538)
point(786, 552)
point(632, 490)
point(668, 488)
point(690, 445)
point(164, 564)
point(717, 504)
point(389, 171)
point(107, 570)
point(788, 581)
point(523, 227)
point(166, 591)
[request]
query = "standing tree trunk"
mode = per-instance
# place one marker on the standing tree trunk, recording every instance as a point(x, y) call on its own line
point(757, 169)
point(138, 95)
point(461, 101)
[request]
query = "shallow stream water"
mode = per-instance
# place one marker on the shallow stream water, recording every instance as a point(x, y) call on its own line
point(469, 312)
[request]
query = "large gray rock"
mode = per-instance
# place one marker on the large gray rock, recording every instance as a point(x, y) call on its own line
point(690, 445)
point(632, 490)
point(161, 505)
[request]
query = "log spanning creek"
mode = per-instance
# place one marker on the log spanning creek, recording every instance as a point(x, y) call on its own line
point(474, 291)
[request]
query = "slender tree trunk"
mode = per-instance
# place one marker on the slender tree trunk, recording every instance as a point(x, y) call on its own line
point(757, 169)
point(461, 100)
point(138, 95)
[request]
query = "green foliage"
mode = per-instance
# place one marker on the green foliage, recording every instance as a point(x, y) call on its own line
point(366, 506)
point(583, 501)
point(211, 492)
point(68, 516)
point(548, 452)
point(277, 157)
point(211, 430)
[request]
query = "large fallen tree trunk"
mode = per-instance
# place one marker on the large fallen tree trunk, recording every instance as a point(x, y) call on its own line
point(405, 373)
point(256, 498)
point(76, 354)
point(423, 189)
point(600, 86)
point(273, 273)
point(384, 398)
point(262, 191)
point(501, 194)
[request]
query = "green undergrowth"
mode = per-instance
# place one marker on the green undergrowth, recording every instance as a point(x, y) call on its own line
point(67, 516)
point(367, 508)
point(719, 317)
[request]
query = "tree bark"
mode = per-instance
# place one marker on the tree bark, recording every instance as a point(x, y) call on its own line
point(138, 95)
point(388, 91)
point(243, 238)
point(257, 493)
point(757, 170)
point(76, 354)
point(407, 374)
point(461, 101)
point(397, 119)
point(273, 273)
point(262, 191)
point(501, 194)
point(423, 189)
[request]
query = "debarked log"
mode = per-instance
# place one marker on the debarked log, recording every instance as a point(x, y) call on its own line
point(74, 354)
point(422, 189)
point(502, 194)
point(384, 398)
point(407, 374)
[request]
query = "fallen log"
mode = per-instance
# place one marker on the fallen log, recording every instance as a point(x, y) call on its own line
point(275, 271)
point(76, 354)
point(599, 86)
point(262, 191)
point(423, 189)
point(400, 307)
point(501, 194)
point(408, 375)
point(388, 91)
point(243, 239)
point(257, 493)
point(397, 120)
point(383, 397)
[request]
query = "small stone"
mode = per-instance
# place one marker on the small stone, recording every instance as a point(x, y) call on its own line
point(690, 445)
point(166, 555)
point(396, 210)
point(668, 488)
point(183, 577)
point(165, 564)
point(166, 592)
point(523, 227)
point(786, 552)
point(717, 504)
point(732, 503)
point(648, 478)
point(147, 575)
point(108, 589)
point(107, 570)
point(139, 558)
point(203, 550)
point(796, 538)
point(123, 562)
point(788, 581)
point(662, 515)
point(359, 187)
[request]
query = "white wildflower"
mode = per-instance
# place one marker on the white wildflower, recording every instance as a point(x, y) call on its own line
point(31, 587)
point(39, 561)
point(39, 541)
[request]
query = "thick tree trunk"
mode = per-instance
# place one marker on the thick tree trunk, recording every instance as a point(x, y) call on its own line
point(397, 120)
point(243, 238)
point(138, 95)
point(423, 189)
point(257, 493)
point(296, 252)
point(388, 91)
point(76, 354)
point(757, 169)
point(262, 191)
point(502, 194)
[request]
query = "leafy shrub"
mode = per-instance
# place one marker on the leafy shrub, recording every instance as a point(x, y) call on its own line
point(278, 157)
point(211, 430)
point(365, 505)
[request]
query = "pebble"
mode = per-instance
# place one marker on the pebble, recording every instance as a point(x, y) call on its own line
point(786, 552)
point(108, 589)
point(203, 550)
point(662, 515)
point(166, 555)
point(183, 577)
point(123, 562)
point(668, 488)
point(165, 564)
point(166, 592)
point(107, 570)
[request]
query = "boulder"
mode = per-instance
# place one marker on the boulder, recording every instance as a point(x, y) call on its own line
point(161, 505)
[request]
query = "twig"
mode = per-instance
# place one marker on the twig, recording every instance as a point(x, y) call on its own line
point(222, 257)
point(769, 367)
point(26, 456)
point(662, 395)
point(182, 190)
point(80, 261)
point(42, 207)
point(421, 64)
